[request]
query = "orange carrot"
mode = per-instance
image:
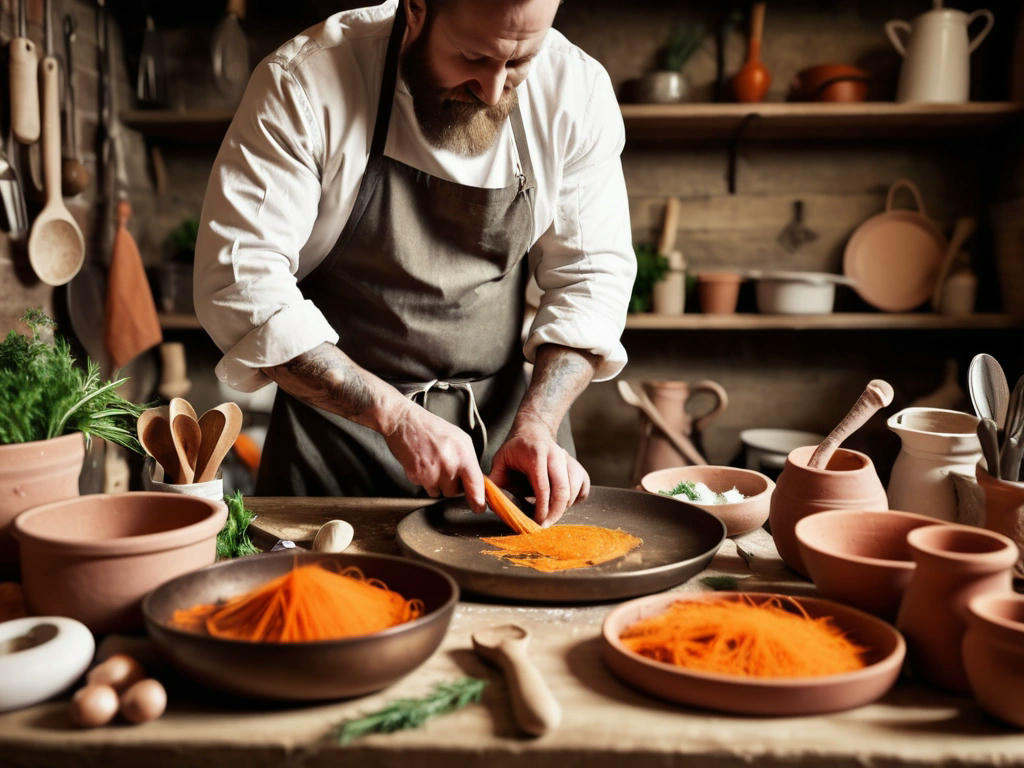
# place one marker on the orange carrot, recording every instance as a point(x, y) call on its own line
point(509, 513)
point(745, 637)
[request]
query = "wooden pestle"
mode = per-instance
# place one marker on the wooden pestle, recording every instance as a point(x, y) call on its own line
point(876, 394)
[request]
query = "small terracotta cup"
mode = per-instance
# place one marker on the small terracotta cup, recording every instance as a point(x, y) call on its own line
point(1004, 508)
point(993, 654)
point(718, 292)
point(955, 563)
point(848, 482)
point(860, 557)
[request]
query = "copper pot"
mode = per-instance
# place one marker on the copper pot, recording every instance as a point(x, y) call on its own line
point(830, 82)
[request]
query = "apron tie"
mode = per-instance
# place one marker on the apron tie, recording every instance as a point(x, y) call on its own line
point(473, 412)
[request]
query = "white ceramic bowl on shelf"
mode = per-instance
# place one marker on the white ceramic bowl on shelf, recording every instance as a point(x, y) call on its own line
point(797, 293)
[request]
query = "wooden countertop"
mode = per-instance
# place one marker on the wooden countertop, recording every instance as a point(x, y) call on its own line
point(605, 723)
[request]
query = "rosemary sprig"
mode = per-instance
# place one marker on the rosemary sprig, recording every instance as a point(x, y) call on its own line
point(686, 487)
point(233, 541)
point(412, 713)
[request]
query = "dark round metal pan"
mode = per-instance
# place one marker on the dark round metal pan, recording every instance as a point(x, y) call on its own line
point(679, 541)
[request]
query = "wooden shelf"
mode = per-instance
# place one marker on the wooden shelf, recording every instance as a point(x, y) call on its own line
point(816, 120)
point(192, 126)
point(178, 322)
point(835, 321)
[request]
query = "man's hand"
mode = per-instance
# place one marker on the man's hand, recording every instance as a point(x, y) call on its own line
point(437, 455)
point(558, 480)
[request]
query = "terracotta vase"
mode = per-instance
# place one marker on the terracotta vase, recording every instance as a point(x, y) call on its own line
point(753, 79)
point(954, 563)
point(718, 292)
point(1004, 509)
point(993, 654)
point(848, 482)
point(655, 451)
point(32, 474)
point(935, 443)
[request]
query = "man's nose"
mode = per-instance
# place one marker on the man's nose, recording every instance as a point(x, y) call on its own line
point(491, 86)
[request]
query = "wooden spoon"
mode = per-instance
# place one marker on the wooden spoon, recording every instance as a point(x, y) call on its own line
point(56, 248)
point(534, 706)
point(639, 399)
point(187, 437)
point(876, 394)
point(154, 428)
point(219, 428)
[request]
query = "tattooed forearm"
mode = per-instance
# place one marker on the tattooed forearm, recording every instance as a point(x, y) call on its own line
point(327, 378)
point(560, 374)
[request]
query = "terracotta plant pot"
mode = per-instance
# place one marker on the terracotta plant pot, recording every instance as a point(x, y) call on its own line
point(718, 292)
point(848, 482)
point(32, 474)
point(860, 557)
point(830, 82)
point(1004, 509)
point(955, 563)
point(993, 654)
point(93, 558)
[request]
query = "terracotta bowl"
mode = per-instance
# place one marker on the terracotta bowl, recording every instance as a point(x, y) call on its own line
point(328, 669)
point(860, 557)
point(993, 654)
point(93, 558)
point(738, 518)
point(759, 696)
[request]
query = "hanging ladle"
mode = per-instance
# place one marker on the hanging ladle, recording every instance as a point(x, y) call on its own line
point(639, 399)
point(877, 394)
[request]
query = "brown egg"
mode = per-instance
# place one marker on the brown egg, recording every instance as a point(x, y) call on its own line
point(120, 671)
point(94, 705)
point(144, 701)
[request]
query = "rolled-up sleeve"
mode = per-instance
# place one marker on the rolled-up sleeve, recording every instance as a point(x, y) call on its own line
point(260, 207)
point(584, 263)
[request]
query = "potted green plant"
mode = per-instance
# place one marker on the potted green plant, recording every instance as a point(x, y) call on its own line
point(49, 409)
point(651, 267)
point(667, 84)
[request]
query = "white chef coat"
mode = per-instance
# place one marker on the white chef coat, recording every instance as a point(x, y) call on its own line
point(287, 173)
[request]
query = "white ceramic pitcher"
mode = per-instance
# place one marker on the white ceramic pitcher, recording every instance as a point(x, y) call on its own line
point(937, 54)
point(936, 442)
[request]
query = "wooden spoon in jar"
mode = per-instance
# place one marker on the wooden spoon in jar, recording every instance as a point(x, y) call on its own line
point(154, 428)
point(876, 394)
point(219, 428)
point(187, 437)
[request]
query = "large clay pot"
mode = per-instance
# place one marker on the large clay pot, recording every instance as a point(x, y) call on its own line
point(1004, 509)
point(848, 482)
point(993, 654)
point(954, 563)
point(32, 474)
point(935, 442)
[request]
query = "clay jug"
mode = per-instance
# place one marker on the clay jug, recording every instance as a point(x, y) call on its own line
point(954, 563)
point(671, 398)
point(935, 442)
point(848, 482)
point(1004, 509)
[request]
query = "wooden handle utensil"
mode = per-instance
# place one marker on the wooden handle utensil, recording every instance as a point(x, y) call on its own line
point(876, 394)
point(186, 436)
point(154, 428)
point(219, 428)
point(639, 399)
point(24, 66)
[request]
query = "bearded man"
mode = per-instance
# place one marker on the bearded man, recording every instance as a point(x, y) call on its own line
point(390, 182)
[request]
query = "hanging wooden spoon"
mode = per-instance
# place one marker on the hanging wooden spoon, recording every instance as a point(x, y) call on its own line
point(219, 428)
point(154, 428)
point(876, 394)
point(534, 706)
point(187, 437)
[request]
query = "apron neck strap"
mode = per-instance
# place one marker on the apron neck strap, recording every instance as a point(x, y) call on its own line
point(387, 96)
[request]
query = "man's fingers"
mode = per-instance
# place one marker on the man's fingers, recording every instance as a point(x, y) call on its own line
point(559, 479)
point(473, 487)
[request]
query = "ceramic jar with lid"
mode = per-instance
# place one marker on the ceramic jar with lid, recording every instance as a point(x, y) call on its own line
point(848, 482)
point(935, 443)
point(954, 563)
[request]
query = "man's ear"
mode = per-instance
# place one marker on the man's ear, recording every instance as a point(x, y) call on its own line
point(415, 18)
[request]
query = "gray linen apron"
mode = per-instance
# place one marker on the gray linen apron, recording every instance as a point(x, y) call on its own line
point(425, 288)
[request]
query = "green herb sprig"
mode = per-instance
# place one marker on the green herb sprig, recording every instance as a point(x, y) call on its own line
point(651, 267)
point(412, 713)
point(44, 394)
point(233, 541)
point(681, 45)
point(686, 488)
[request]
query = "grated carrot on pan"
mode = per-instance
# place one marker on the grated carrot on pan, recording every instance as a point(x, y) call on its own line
point(563, 547)
point(308, 603)
point(746, 637)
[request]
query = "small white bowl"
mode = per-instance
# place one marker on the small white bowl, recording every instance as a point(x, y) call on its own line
point(738, 517)
point(40, 657)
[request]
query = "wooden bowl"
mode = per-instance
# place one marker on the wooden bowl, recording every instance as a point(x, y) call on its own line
point(326, 669)
point(860, 557)
point(759, 696)
point(739, 517)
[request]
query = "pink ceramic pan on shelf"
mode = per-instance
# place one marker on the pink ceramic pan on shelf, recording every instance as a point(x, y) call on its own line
point(895, 256)
point(759, 696)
